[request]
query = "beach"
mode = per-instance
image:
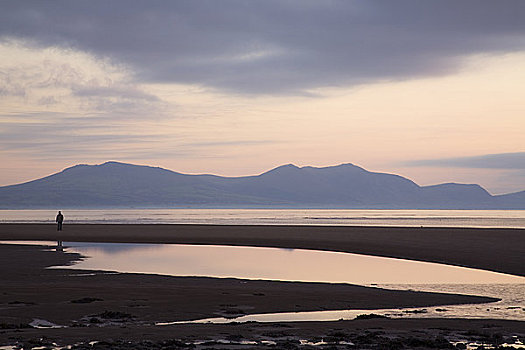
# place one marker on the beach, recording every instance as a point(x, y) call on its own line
point(493, 249)
point(123, 307)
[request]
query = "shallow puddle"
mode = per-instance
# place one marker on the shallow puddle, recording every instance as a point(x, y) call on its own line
point(316, 266)
point(511, 307)
point(312, 266)
point(274, 264)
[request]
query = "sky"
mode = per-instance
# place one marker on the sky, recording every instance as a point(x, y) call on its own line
point(433, 90)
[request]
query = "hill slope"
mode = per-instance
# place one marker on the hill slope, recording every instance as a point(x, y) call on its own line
point(119, 185)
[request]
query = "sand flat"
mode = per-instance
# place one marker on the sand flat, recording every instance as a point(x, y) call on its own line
point(69, 297)
point(499, 250)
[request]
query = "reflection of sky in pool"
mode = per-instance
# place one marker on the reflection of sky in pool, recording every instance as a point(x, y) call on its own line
point(317, 266)
point(305, 265)
point(274, 263)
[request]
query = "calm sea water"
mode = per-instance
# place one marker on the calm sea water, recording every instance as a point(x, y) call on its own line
point(428, 218)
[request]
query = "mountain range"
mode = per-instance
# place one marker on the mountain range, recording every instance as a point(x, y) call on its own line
point(120, 185)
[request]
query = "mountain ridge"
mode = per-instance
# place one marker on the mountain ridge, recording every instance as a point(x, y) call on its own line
point(122, 185)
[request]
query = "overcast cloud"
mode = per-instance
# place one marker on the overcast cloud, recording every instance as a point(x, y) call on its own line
point(273, 47)
point(220, 86)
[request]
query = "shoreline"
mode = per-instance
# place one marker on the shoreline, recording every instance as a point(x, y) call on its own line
point(499, 250)
point(237, 296)
point(121, 308)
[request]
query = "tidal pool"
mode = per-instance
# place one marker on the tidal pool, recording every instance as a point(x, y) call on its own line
point(274, 264)
point(314, 266)
point(510, 307)
point(311, 266)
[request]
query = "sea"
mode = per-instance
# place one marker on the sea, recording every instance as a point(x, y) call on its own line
point(336, 217)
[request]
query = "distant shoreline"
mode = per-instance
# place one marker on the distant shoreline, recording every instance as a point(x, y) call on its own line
point(270, 207)
point(115, 184)
point(494, 249)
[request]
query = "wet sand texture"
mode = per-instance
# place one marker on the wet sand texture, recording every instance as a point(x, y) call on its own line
point(499, 250)
point(29, 291)
point(62, 296)
point(132, 303)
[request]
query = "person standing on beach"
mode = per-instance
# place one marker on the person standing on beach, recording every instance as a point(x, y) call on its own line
point(59, 220)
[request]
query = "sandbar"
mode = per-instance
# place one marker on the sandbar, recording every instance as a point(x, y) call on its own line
point(493, 249)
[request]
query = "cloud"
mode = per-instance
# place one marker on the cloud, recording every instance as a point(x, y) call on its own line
point(119, 99)
point(489, 161)
point(273, 47)
point(57, 77)
point(66, 136)
point(124, 92)
point(54, 133)
point(233, 143)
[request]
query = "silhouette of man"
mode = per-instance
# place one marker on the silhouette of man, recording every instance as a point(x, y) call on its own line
point(59, 220)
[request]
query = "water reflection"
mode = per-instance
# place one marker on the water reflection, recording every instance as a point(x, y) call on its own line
point(510, 307)
point(274, 264)
point(313, 266)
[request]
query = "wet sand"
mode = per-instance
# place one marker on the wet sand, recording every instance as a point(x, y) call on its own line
point(418, 334)
point(128, 304)
point(499, 250)
point(30, 291)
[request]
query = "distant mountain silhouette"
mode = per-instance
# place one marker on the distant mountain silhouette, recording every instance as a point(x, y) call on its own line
point(119, 185)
